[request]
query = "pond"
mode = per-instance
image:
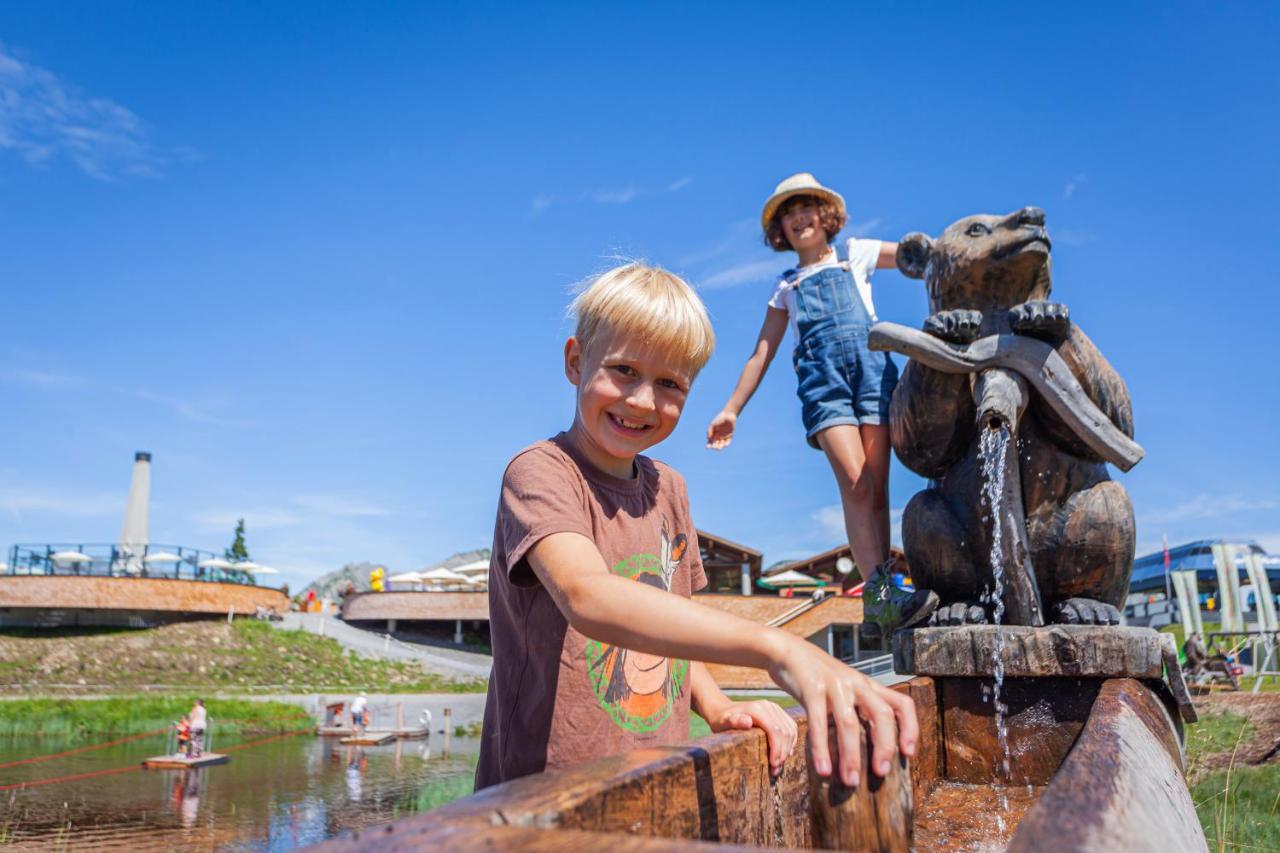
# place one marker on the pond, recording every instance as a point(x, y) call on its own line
point(275, 794)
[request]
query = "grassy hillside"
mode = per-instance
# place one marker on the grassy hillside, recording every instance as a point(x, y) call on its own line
point(246, 655)
point(135, 714)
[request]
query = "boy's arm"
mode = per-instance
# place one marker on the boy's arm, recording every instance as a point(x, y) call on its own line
point(720, 432)
point(621, 612)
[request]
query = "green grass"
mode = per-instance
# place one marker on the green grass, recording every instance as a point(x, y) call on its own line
point(205, 657)
point(1216, 733)
point(698, 726)
point(1239, 808)
point(125, 715)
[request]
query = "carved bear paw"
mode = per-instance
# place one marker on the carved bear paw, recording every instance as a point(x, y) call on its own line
point(958, 327)
point(1085, 611)
point(960, 613)
point(1048, 321)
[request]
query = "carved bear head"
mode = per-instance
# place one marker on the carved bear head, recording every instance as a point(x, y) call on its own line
point(982, 262)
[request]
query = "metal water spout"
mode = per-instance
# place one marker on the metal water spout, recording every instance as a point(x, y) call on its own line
point(1001, 396)
point(134, 533)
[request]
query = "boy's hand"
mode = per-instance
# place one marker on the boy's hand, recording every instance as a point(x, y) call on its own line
point(720, 433)
point(778, 727)
point(831, 690)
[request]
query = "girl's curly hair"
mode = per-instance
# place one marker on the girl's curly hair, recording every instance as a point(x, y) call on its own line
point(831, 217)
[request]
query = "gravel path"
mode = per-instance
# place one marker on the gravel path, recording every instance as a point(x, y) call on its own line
point(374, 645)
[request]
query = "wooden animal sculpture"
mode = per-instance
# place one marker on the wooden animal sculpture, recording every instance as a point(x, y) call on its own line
point(996, 356)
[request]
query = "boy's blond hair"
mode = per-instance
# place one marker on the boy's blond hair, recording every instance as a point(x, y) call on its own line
point(647, 303)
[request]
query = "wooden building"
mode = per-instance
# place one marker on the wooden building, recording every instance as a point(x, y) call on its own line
point(730, 567)
point(828, 567)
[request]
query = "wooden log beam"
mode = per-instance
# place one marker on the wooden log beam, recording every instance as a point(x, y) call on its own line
point(1036, 361)
point(1121, 787)
point(875, 816)
point(1076, 651)
point(717, 788)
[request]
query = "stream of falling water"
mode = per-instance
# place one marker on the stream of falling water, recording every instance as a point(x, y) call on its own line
point(993, 445)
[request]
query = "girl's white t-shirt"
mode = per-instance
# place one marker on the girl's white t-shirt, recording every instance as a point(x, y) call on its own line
point(861, 256)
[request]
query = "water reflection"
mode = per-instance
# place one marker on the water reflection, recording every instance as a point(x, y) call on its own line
point(274, 796)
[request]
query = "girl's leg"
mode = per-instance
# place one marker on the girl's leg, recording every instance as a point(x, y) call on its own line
point(845, 451)
point(875, 449)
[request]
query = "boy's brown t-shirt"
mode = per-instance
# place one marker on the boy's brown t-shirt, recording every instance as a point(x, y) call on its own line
point(555, 696)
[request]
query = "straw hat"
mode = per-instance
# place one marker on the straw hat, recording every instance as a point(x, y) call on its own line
point(801, 183)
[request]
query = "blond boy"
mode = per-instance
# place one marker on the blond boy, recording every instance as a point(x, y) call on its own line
point(596, 643)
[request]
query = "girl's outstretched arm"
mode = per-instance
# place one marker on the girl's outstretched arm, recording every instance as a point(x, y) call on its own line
point(720, 432)
point(888, 256)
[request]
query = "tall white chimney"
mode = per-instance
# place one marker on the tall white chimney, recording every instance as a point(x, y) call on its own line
point(133, 536)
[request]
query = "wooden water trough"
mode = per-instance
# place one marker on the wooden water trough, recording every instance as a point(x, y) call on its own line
point(1095, 762)
point(183, 762)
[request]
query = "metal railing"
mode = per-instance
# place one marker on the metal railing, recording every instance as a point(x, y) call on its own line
point(881, 665)
point(107, 560)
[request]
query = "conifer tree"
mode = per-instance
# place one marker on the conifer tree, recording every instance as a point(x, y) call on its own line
point(237, 552)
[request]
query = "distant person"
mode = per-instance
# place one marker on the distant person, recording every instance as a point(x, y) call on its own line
point(360, 713)
point(844, 387)
point(198, 720)
point(184, 736)
point(595, 557)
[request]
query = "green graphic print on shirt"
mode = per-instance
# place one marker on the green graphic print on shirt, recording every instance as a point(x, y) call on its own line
point(639, 690)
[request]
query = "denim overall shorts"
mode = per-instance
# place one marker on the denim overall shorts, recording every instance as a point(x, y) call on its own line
point(840, 380)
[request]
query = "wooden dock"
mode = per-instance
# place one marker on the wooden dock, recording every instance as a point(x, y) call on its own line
point(346, 732)
point(369, 739)
point(182, 762)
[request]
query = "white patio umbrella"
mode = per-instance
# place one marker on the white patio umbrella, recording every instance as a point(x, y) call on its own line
point(443, 576)
point(405, 577)
point(70, 557)
point(791, 578)
point(216, 563)
point(265, 570)
point(162, 557)
point(246, 566)
point(472, 568)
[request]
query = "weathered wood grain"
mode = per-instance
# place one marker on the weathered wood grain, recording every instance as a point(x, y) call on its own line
point(1122, 786)
point(1044, 717)
point(1058, 650)
point(876, 815)
point(458, 838)
point(1037, 361)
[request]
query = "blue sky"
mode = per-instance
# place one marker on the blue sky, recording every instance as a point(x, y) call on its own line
point(315, 257)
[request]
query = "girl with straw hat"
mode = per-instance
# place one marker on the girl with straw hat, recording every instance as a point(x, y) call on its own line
point(844, 387)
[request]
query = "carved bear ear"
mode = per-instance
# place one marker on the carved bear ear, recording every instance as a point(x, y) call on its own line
point(913, 254)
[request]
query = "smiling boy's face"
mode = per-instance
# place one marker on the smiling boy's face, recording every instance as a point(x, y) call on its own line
point(629, 399)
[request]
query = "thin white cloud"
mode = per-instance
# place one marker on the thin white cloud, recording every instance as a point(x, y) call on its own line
point(861, 229)
point(254, 519)
point(750, 272)
point(300, 510)
point(346, 505)
point(43, 118)
point(16, 500)
point(202, 412)
point(1073, 237)
point(607, 195)
point(830, 520)
point(1206, 506)
point(1072, 185)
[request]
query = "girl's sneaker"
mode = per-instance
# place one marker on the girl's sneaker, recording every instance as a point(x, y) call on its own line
point(892, 608)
